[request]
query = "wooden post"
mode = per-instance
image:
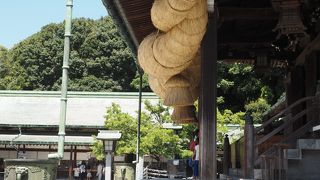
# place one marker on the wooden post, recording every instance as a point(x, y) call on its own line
point(249, 148)
point(264, 167)
point(289, 129)
point(207, 104)
point(70, 163)
point(297, 91)
point(226, 155)
point(317, 103)
point(75, 156)
point(311, 82)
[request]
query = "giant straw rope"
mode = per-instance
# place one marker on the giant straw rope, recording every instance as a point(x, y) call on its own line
point(171, 56)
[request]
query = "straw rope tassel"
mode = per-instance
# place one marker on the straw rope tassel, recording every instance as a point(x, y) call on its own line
point(171, 56)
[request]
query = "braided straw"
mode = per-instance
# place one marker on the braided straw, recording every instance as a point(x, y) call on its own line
point(171, 58)
point(182, 5)
point(164, 17)
point(184, 114)
point(150, 65)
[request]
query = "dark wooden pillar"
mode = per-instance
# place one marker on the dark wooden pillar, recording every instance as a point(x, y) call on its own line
point(317, 57)
point(311, 82)
point(295, 91)
point(75, 156)
point(287, 84)
point(249, 148)
point(317, 113)
point(298, 80)
point(70, 163)
point(296, 88)
point(207, 104)
point(226, 155)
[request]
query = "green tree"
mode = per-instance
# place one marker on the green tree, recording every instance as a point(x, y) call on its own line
point(118, 120)
point(257, 108)
point(227, 117)
point(155, 140)
point(3, 59)
point(239, 85)
point(98, 149)
point(160, 142)
point(3, 54)
point(136, 82)
point(99, 60)
point(15, 80)
point(158, 112)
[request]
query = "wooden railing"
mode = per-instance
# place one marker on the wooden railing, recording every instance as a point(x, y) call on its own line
point(273, 153)
point(288, 119)
point(284, 112)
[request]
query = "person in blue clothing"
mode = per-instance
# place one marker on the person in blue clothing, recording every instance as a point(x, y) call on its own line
point(83, 174)
point(195, 167)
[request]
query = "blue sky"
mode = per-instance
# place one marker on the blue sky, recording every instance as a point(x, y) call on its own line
point(21, 18)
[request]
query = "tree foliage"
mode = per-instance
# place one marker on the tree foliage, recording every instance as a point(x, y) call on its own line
point(3, 58)
point(136, 82)
point(158, 112)
point(98, 149)
point(257, 108)
point(118, 120)
point(225, 118)
point(240, 89)
point(99, 59)
point(155, 140)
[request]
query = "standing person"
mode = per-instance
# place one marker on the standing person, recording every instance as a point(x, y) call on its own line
point(103, 171)
point(195, 135)
point(83, 174)
point(89, 175)
point(195, 167)
point(76, 173)
point(100, 171)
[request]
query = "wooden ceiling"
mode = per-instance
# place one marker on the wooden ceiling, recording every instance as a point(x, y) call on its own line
point(245, 26)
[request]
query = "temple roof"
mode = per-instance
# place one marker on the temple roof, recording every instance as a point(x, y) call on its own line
point(11, 139)
point(84, 109)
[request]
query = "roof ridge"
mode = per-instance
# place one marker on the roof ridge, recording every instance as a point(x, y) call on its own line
point(76, 94)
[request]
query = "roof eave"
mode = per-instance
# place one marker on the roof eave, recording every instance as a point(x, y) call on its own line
point(117, 14)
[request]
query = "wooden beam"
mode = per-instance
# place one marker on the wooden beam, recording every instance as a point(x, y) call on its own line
point(233, 13)
point(313, 46)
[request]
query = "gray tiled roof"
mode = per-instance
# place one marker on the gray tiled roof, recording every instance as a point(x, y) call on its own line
point(44, 140)
point(34, 108)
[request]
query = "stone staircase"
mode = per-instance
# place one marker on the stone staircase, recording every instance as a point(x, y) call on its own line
point(304, 161)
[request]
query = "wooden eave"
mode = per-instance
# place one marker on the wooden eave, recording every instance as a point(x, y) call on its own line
point(245, 26)
point(238, 23)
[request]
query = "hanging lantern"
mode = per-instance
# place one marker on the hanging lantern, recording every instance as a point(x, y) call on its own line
point(290, 19)
point(290, 24)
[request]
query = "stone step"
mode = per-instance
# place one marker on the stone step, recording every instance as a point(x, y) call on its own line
point(294, 154)
point(302, 144)
point(236, 174)
point(305, 168)
point(308, 144)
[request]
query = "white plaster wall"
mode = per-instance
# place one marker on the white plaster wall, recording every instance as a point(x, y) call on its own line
point(41, 155)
